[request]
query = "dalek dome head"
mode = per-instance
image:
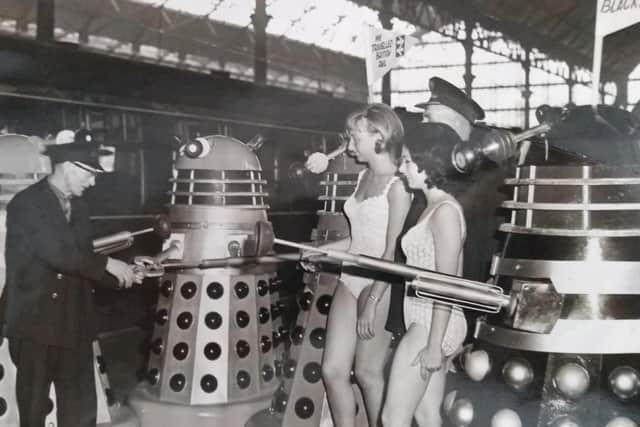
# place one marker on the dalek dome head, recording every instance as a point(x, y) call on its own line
point(218, 172)
point(217, 152)
point(22, 155)
point(21, 164)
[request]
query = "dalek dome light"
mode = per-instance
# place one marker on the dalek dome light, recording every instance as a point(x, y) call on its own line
point(217, 152)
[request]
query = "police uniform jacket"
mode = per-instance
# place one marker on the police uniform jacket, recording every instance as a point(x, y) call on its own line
point(51, 268)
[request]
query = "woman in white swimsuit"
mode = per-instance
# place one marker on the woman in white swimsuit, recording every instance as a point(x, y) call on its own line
point(376, 212)
point(435, 331)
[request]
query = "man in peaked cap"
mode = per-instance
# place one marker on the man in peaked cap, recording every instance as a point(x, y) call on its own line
point(451, 106)
point(49, 314)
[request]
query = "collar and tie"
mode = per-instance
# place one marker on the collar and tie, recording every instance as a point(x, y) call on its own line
point(63, 199)
point(66, 208)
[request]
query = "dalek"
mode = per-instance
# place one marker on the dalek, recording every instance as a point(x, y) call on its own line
point(212, 358)
point(560, 353)
point(21, 164)
point(569, 261)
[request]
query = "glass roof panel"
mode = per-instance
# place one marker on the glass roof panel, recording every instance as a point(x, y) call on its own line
point(337, 25)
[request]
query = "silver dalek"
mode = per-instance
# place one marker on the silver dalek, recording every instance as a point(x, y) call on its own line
point(21, 164)
point(212, 356)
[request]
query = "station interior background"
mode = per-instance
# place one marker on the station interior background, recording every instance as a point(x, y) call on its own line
point(522, 54)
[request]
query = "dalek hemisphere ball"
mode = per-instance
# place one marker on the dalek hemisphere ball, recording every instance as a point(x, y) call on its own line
point(213, 354)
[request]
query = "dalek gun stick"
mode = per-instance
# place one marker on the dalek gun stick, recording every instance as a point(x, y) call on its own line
point(234, 261)
point(446, 288)
point(497, 146)
point(117, 241)
point(500, 145)
point(124, 239)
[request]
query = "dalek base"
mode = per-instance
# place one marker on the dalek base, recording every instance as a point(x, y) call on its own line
point(122, 416)
point(152, 412)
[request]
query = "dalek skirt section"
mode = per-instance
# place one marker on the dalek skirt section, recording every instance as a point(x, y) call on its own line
point(566, 344)
point(213, 338)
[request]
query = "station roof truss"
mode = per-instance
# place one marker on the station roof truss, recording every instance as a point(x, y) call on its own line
point(558, 33)
point(154, 33)
point(327, 56)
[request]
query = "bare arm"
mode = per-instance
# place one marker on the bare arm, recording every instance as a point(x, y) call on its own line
point(399, 203)
point(447, 241)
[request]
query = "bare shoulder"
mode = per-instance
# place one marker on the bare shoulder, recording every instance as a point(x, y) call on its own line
point(449, 212)
point(398, 189)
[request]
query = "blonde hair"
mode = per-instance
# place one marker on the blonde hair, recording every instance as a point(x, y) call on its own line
point(380, 119)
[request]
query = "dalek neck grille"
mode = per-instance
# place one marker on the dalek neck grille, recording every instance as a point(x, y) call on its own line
point(226, 188)
point(575, 201)
point(337, 187)
point(10, 184)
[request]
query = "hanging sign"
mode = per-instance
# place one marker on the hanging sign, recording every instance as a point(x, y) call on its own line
point(611, 16)
point(384, 49)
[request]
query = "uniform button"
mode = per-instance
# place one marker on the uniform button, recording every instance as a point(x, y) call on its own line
point(54, 295)
point(93, 291)
point(59, 276)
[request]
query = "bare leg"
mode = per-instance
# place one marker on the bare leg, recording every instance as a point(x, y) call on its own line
point(428, 412)
point(408, 393)
point(339, 352)
point(371, 356)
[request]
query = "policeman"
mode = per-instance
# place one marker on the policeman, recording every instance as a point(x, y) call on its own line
point(451, 106)
point(49, 314)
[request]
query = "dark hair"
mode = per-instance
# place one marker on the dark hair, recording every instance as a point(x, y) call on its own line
point(381, 119)
point(430, 146)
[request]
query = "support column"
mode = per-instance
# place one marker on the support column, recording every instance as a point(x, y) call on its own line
point(468, 57)
point(260, 20)
point(526, 93)
point(570, 83)
point(45, 20)
point(622, 91)
point(83, 35)
point(385, 16)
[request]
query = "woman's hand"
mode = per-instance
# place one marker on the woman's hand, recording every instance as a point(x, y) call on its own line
point(430, 359)
point(366, 317)
point(310, 261)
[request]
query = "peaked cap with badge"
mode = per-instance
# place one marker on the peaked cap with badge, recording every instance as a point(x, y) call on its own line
point(80, 149)
point(444, 93)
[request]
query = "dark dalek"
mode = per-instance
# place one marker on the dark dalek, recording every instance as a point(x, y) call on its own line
point(212, 351)
point(565, 345)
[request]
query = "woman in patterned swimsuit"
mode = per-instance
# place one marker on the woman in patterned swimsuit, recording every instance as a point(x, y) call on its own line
point(435, 331)
point(355, 327)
